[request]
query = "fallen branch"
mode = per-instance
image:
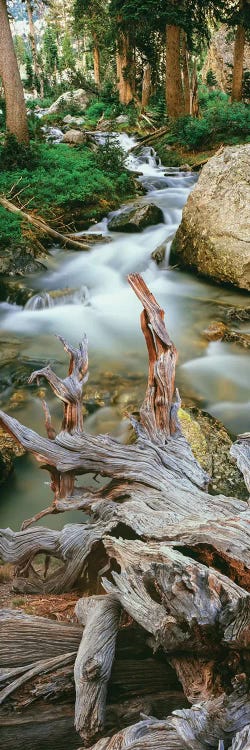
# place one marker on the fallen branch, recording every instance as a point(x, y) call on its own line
point(42, 226)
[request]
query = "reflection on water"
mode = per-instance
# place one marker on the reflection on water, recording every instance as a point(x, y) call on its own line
point(101, 303)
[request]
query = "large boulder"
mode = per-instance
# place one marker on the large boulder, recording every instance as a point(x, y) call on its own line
point(214, 235)
point(74, 137)
point(136, 219)
point(79, 97)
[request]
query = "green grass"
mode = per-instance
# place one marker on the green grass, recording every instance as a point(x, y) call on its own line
point(63, 178)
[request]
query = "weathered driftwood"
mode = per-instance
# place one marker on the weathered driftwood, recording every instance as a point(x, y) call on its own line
point(94, 660)
point(174, 558)
point(202, 726)
point(40, 224)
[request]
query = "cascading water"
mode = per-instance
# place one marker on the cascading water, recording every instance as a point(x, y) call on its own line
point(88, 292)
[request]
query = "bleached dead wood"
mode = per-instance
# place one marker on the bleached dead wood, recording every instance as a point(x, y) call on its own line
point(171, 556)
point(94, 661)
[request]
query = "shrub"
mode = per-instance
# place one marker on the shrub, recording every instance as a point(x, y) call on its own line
point(110, 157)
point(15, 155)
point(65, 176)
point(220, 121)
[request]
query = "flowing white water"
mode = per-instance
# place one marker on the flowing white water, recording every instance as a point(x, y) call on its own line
point(101, 303)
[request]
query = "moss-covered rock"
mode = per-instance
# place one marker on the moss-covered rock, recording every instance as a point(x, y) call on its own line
point(9, 450)
point(211, 443)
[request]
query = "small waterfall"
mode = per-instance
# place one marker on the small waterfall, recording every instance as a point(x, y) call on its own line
point(43, 300)
point(39, 302)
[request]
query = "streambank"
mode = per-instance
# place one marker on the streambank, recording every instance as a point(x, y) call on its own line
point(70, 188)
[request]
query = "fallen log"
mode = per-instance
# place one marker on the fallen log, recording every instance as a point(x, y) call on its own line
point(160, 561)
point(41, 225)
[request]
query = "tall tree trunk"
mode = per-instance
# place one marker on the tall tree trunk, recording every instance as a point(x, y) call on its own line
point(16, 117)
point(186, 78)
point(96, 53)
point(123, 63)
point(238, 61)
point(146, 85)
point(194, 88)
point(174, 91)
point(32, 35)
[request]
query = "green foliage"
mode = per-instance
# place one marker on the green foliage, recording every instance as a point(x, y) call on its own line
point(66, 177)
point(67, 59)
point(10, 229)
point(50, 51)
point(15, 155)
point(29, 71)
point(221, 121)
point(110, 157)
point(211, 78)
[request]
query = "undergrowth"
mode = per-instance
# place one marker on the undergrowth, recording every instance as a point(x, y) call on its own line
point(63, 178)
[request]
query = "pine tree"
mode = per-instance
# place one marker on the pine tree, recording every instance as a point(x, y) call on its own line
point(16, 117)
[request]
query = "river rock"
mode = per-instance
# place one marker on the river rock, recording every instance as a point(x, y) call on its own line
point(79, 97)
point(213, 237)
point(71, 120)
point(74, 137)
point(159, 253)
point(136, 219)
point(211, 443)
point(122, 120)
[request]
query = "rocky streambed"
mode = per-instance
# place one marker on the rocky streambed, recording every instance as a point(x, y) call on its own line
point(88, 292)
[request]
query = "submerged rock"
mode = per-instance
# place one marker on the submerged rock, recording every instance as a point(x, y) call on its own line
point(159, 253)
point(213, 236)
point(136, 219)
point(74, 137)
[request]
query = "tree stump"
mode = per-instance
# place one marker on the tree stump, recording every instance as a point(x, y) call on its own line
point(162, 571)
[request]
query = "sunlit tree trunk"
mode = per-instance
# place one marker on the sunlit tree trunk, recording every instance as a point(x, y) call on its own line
point(16, 117)
point(32, 35)
point(96, 54)
point(238, 61)
point(186, 78)
point(174, 91)
point(124, 69)
point(146, 85)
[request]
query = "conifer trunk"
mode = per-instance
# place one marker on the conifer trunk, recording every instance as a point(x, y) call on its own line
point(238, 61)
point(146, 86)
point(16, 117)
point(174, 91)
point(123, 65)
point(96, 54)
point(186, 78)
point(32, 35)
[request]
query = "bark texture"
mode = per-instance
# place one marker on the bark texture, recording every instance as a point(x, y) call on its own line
point(124, 68)
point(239, 45)
point(16, 117)
point(174, 90)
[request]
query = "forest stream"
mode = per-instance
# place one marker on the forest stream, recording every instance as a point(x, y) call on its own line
point(94, 297)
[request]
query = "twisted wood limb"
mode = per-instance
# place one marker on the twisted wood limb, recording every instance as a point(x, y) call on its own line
point(94, 660)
